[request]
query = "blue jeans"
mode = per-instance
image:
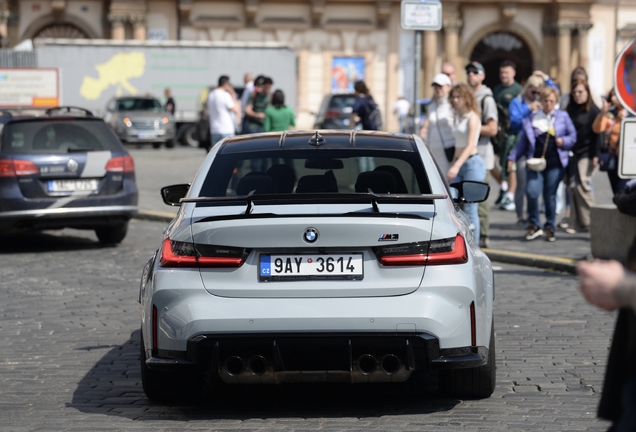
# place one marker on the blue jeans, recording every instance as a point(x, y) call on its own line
point(545, 182)
point(473, 169)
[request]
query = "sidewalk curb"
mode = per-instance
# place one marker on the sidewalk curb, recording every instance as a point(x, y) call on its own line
point(154, 216)
point(565, 265)
point(529, 260)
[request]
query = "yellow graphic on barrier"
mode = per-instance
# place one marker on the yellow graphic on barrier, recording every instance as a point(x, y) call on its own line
point(115, 72)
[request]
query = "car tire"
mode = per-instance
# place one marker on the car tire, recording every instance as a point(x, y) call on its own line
point(189, 136)
point(156, 145)
point(475, 383)
point(112, 233)
point(162, 386)
point(170, 143)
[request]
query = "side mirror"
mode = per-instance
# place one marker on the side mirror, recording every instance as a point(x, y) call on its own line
point(172, 194)
point(469, 192)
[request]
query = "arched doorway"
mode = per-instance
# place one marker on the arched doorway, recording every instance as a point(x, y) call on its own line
point(65, 30)
point(500, 46)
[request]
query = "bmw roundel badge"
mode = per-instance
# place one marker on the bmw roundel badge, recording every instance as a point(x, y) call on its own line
point(310, 235)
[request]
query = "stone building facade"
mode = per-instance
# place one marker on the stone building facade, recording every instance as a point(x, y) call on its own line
point(330, 36)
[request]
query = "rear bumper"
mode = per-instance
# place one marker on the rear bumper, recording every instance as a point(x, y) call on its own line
point(75, 217)
point(322, 357)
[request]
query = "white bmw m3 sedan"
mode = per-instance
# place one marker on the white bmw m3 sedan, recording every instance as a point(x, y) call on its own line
point(318, 256)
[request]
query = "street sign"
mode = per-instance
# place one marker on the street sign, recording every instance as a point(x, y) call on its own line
point(421, 15)
point(627, 152)
point(29, 88)
point(625, 77)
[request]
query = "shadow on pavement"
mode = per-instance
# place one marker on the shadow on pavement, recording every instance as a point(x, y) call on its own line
point(113, 387)
point(36, 241)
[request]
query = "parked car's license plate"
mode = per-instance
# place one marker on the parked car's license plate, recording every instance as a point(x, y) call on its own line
point(147, 135)
point(73, 185)
point(347, 266)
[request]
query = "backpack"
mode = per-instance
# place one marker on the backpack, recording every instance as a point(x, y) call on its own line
point(370, 116)
point(503, 123)
point(625, 200)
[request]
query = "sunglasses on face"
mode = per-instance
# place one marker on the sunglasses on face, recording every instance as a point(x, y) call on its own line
point(472, 72)
point(536, 92)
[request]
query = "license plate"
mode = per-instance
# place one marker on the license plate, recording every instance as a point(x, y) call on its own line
point(147, 135)
point(337, 266)
point(73, 185)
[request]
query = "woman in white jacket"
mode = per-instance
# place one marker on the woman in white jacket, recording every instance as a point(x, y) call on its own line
point(438, 126)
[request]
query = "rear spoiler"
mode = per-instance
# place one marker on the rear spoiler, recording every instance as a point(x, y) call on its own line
point(322, 198)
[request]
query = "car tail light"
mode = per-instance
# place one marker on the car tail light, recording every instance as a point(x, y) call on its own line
point(121, 164)
point(437, 252)
point(473, 325)
point(332, 114)
point(13, 168)
point(182, 254)
point(154, 327)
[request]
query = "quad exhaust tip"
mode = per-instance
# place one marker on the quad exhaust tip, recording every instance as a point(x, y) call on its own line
point(234, 365)
point(257, 365)
point(389, 364)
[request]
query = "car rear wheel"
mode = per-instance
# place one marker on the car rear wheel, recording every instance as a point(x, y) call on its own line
point(476, 382)
point(162, 386)
point(113, 233)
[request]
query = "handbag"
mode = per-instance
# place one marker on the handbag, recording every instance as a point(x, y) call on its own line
point(606, 161)
point(539, 164)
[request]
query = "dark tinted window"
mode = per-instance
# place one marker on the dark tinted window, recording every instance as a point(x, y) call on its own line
point(61, 136)
point(135, 104)
point(308, 171)
point(342, 101)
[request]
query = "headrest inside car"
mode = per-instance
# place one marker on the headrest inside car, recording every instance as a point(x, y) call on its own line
point(259, 182)
point(377, 181)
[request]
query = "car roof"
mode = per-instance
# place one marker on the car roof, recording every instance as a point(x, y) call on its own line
point(327, 139)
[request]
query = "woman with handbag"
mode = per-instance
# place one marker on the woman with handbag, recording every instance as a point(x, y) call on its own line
point(608, 121)
point(466, 163)
point(438, 126)
point(547, 137)
point(584, 159)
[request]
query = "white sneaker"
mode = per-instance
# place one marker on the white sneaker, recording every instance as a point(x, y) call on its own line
point(507, 204)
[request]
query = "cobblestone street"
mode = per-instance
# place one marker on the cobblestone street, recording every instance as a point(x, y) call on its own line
point(69, 334)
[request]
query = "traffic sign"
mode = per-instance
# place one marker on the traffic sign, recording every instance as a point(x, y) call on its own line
point(625, 77)
point(627, 151)
point(421, 15)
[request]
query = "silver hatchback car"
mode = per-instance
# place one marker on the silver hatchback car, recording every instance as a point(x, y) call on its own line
point(326, 256)
point(138, 119)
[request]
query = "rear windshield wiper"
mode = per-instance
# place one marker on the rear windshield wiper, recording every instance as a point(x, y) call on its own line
point(81, 149)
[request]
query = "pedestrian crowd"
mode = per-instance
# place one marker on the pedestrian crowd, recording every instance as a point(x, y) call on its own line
point(540, 146)
point(256, 110)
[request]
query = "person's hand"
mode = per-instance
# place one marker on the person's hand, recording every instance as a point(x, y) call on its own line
point(606, 106)
point(260, 116)
point(595, 161)
point(541, 74)
point(511, 165)
point(535, 106)
point(452, 173)
point(423, 132)
point(559, 142)
point(598, 282)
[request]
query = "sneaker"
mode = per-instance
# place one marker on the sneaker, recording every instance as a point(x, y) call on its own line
point(549, 235)
point(563, 224)
point(569, 230)
point(507, 204)
point(502, 194)
point(533, 232)
point(484, 242)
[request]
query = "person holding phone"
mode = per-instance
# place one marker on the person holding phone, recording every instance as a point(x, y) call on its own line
point(550, 134)
point(521, 107)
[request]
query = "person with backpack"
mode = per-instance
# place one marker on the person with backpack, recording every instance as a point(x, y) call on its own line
point(504, 93)
point(366, 113)
point(366, 116)
point(489, 128)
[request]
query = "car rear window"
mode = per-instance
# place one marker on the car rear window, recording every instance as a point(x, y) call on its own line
point(342, 101)
point(134, 104)
point(58, 137)
point(311, 171)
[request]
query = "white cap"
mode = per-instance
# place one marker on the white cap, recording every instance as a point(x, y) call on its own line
point(441, 79)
